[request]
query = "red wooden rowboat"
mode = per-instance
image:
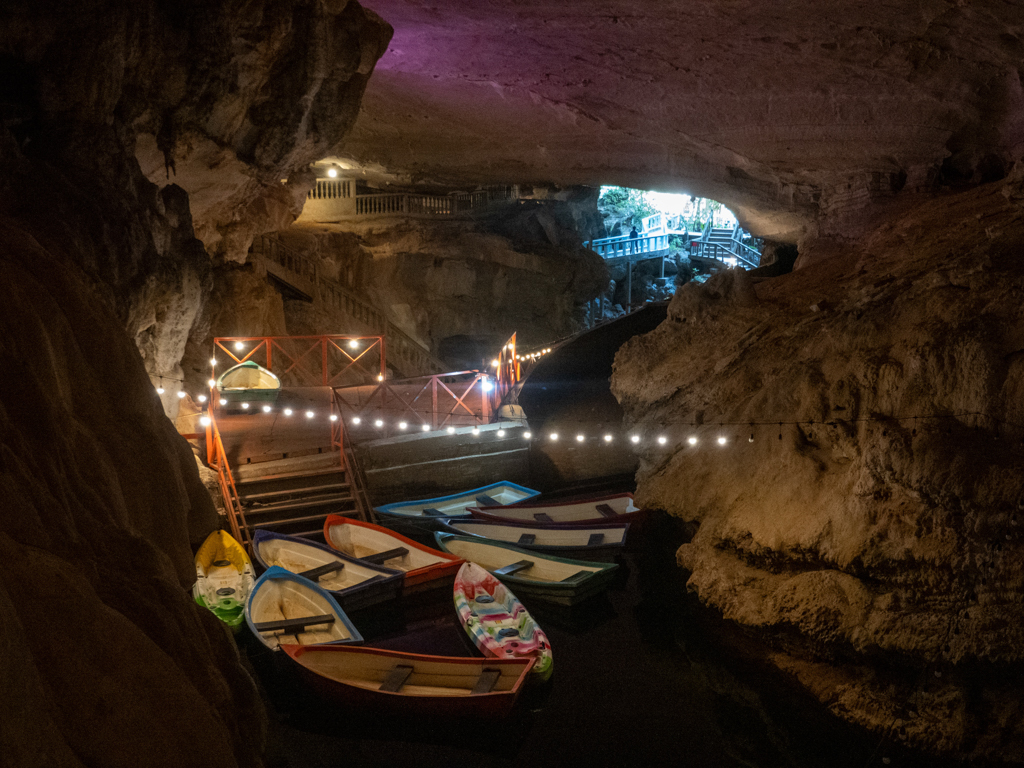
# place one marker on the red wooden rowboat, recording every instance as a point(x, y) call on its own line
point(425, 568)
point(413, 684)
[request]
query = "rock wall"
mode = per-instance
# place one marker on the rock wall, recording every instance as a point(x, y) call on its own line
point(112, 662)
point(104, 284)
point(462, 287)
point(866, 514)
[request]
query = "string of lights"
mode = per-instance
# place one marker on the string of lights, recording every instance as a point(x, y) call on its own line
point(579, 431)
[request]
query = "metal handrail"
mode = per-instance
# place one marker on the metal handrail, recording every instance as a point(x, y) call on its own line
point(217, 457)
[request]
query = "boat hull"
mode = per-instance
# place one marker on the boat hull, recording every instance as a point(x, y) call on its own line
point(497, 622)
point(375, 585)
point(425, 568)
point(280, 595)
point(224, 578)
point(595, 511)
point(609, 540)
point(437, 687)
point(554, 579)
point(455, 505)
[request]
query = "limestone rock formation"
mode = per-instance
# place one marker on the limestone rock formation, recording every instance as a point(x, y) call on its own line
point(247, 97)
point(461, 287)
point(866, 513)
point(112, 662)
point(806, 118)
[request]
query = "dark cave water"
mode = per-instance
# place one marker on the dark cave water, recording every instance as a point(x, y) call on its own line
point(642, 677)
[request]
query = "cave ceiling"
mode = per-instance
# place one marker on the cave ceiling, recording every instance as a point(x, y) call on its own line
point(792, 113)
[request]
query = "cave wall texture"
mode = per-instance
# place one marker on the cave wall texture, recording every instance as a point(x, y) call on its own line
point(867, 552)
point(103, 280)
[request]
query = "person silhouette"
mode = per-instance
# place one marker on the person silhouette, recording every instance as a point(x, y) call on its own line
point(633, 235)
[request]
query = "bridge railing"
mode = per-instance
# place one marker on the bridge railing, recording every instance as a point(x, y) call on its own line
point(432, 205)
point(454, 399)
point(614, 247)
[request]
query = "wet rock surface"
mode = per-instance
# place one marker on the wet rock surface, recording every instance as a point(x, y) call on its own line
point(865, 514)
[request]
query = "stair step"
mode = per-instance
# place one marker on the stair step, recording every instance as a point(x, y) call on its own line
point(290, 475)
point(303, 519)
point(265, 509)
point(284, 494)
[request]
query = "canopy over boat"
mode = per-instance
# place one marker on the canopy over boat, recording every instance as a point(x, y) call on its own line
point(248, 381)
point(502, 493)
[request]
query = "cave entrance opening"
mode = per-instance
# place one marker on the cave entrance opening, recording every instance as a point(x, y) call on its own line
point(655, 241)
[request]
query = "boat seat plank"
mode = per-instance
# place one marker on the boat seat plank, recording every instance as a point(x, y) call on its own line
point(606, 510)
point(514, 568)
point(299, 623)
point(390, 554)
point(488, 501)
point(595, 539)
point(395, 678)
point(578, 576)
point(433, 512)
point(542, 517)
point(527, 538)
point(487, 680)
point(314, 574)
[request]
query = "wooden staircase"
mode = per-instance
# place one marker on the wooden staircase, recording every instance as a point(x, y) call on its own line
point(295, 496)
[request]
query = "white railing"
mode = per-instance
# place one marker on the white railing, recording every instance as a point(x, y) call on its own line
point(613, 247)
point(330, 189)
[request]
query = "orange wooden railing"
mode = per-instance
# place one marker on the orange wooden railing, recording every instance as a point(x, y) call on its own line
point(217, 458)
point(306, 361)
point(459, 398)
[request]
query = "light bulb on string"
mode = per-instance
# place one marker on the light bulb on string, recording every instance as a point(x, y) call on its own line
point(692, 439)
point(239, 346)
point(212, 383)
point(201, 398)
point(213, 361)
point(378, 423)
point(527, 435)
point(159, 390)
point(553, 437)
point(287, 411)
point(309, 414)
point(223, 401)
point(607, 438)
point(206, 421)
point(501, 433)
point(333, 417)
point(245, 406)
point(722, 440)
point(634, 439)
point(476, 431)
point(181, 394)
point(451, 430)
point(751, 438)
point(356, 420)
point(425, 428)
point(662, 439)
point(402, 425)
point(353, 344)
point(267, 409)
point(580, 438)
